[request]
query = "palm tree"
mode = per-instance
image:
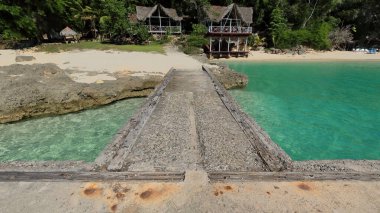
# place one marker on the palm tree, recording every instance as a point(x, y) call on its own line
point(84, 14)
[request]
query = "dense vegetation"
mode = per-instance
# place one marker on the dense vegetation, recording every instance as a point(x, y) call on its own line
point(321, 24)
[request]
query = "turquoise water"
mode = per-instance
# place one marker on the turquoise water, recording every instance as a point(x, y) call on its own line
point(75, 136)
point(316, 110)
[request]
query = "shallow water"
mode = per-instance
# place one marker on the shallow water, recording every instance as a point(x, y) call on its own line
point(75, 136)
point(316, 110)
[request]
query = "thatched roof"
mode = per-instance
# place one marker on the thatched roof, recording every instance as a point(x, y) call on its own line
point(68, 32)
point(217, 13)
point(143, 13)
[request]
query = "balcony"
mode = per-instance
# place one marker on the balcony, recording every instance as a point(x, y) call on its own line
point(229, 30)
point(164, 29)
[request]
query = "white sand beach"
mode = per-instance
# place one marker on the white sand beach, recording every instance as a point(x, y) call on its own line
point(90, 66)
point(94, 65)
point(310, 56)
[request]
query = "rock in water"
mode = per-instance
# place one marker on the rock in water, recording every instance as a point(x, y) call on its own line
point(22, 58)
point(45, 89)
point(229, 78)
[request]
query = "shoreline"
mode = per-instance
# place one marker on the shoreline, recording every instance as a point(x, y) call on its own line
point(332, 56)
point(90, 66)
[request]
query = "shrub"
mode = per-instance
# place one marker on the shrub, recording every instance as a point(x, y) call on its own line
point(316, 37)
point(340, 37)
point(139, 34)
point(320, 36)
point(199, 29)
point(293, 38)
point(191, 50)
point(254, 41)
point(196, 40)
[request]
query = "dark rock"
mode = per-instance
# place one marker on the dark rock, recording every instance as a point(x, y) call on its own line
point(22, 58)
point(45, 89)
point(229, 78)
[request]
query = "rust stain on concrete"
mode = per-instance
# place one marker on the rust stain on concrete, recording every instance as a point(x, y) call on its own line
point(156, 192)
point(92, 190)
point(221, 189)
point(146, 194)
point(228, 188)
point(304, 186)
point(114, 207)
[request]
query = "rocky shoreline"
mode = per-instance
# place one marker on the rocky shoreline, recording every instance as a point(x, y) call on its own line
point(44, 89)
point(229, 78)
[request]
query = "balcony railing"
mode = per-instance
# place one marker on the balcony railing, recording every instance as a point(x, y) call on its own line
point(228, 29)
point(164, 29)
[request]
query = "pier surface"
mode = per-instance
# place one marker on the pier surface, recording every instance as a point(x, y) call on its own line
point(190, 128)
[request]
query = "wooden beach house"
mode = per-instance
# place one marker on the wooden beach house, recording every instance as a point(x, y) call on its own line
point(159, 19)
point(228, 30)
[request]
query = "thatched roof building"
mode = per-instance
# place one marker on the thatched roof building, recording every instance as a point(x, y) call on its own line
point(218, 13)
point(228, 29)
point(158, 19)
point(142, 13)
point(68, 32)
point(69, 35)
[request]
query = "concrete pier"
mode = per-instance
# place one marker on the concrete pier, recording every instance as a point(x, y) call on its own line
point(191, 128)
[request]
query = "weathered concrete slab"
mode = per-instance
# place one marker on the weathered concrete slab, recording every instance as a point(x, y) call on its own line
point(195, 194)
point(226, 147)
point(190, 128)
point(167, 141)
point(114, 154)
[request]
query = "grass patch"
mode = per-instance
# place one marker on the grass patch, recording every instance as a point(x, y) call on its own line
point(90, 45)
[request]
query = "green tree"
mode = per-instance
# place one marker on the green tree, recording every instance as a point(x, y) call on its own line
point(278, 24)
point(14, 24)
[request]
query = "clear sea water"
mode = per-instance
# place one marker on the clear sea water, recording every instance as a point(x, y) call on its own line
point(315, 110)
point(75, 136)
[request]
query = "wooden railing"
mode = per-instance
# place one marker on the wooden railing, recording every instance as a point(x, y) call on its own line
point(164, 29)
point(228, 29)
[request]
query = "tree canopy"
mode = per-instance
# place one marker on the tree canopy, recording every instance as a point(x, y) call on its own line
point(283, 23)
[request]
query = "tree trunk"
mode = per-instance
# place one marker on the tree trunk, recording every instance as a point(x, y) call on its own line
point(311, 14)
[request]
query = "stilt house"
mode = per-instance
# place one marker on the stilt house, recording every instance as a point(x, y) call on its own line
point(228, 30)
point(159, 19)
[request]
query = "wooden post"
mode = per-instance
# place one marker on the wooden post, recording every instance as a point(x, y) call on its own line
point(210, 49)
point(228, 46)
point(245, 45)
point(230, 25)
point(220, 41)
point(150, 26)
point(159, 18)
point(170, 25)
point(180, 27)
